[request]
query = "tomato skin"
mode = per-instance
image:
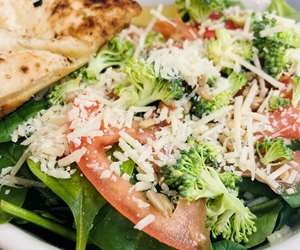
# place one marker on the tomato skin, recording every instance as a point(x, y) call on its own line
point(209, 34)
point(286, 122)
point(184, 230)
point(164, 28)
point(286, 79)
point(215, 15)
point(230, 25)
point(180, 30)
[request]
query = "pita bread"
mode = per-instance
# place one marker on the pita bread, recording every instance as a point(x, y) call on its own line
point(40, 45)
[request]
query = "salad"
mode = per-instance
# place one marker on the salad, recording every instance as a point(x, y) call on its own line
point(184, 134)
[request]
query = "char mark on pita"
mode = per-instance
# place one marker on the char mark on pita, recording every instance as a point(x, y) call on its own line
point(39, 46)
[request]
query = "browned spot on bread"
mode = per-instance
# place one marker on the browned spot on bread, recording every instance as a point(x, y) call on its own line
point(7, 76)
point(60, 7)
point(94, 3)
point(24, 69)
point(88, 23)
point(2, 60)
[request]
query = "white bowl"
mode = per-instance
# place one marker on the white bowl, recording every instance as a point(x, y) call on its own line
point(13, 238)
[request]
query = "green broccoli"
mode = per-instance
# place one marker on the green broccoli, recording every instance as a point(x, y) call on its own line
point(153, 38)
point(272, 50)
point(296, 91)
point(273, 151)
point(230, 180)
point(197, 10)
point(277, 102)
point(59, 93)
point(201, 106)
point(143, 87)
point(220, 50)
point(114, 55)
point(194, 177)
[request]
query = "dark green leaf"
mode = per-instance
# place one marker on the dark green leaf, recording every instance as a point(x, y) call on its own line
point(80, 196)
point(9, 155)
point(11, 122)
point(267, 214)
point(112, 231)
point(295, 145)
point(256, 188)
point(24, 214)
point(43, 201)
point(227, 245)
point(285, 216)
point(293, 200)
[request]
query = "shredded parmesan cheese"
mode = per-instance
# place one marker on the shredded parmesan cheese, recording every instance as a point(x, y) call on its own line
point(258, 71)
point(150, 218)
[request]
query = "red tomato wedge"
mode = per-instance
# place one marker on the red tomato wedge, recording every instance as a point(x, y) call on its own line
point(297, 160)
point(286, 122)
point(209, 34)
point(179, 31)
point(286, 79)
point(230, 25)
point(184, 230)
point(215, 15)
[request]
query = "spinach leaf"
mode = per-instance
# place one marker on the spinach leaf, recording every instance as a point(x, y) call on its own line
point(285, 216)
point(295, 145)
point(267, 215)
point(256, 188)
point(227, 245)
point(282, 8)
point(36, 219)
point(112, 231)
point(11, 122)
point(293, 199)
point(44, 201)
point(9, 155)
point(80, 196)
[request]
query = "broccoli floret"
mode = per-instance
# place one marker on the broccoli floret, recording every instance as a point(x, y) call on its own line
point(277, 102)
point(59, 93)
point(197, 10)
point(272, 50)
point(220, 50)
point(143, 87)
point(230, 180)
point(296, 91)
point(115, 54)
point(194, 177)
point(153, 38)
point(273, 151)
point(201, 106)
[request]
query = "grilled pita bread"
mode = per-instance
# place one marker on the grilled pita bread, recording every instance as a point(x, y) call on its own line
point(39, 45)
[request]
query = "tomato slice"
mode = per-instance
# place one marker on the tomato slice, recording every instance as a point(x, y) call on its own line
point(209, 34)
point(230, 25)
point(215, 15)
point(286, 122)
point(179, 31)
point(185, 229)
point(297, 160)
point(286, 79)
